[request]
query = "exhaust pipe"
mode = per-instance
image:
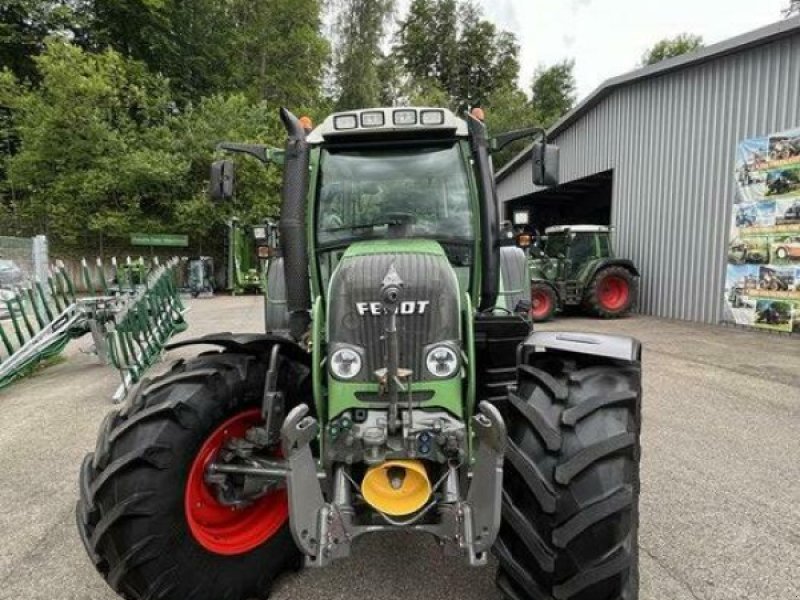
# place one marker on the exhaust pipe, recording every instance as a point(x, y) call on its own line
point(293, 225)
point(397, 487)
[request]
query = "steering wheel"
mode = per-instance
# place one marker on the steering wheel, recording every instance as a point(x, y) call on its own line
point(400, 218)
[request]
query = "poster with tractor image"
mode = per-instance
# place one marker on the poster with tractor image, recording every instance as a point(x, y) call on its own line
point(762, 287)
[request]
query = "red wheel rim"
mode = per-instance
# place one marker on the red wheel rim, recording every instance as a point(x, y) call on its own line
point(613, 292)
point(541, 304)
point(224, 529)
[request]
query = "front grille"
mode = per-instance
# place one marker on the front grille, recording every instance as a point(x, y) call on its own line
point(426, 277)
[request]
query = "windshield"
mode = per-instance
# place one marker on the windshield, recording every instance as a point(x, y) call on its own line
point(414, 192)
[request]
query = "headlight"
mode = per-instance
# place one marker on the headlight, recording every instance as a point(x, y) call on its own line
point(441, 361)
point(345, 363)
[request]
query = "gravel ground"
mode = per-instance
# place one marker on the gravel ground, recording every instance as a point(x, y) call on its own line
point(720, 475)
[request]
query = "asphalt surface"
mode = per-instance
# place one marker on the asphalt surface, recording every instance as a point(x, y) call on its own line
point(720, 506)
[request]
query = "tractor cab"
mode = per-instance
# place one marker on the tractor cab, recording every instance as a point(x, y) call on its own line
point(573, 247)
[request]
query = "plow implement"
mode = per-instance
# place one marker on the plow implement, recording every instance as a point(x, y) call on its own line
point(130, 318)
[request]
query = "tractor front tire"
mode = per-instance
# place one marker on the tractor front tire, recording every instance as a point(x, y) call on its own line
point(571, 481)
point(150, 524)
point(612, 293)
point(543, 302)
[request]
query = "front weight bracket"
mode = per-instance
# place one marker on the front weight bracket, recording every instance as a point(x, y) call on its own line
point(305, 493)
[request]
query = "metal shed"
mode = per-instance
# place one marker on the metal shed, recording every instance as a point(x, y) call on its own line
point(659, 145)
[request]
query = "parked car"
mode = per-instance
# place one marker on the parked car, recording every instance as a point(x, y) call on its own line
point(10, 273)
point(788, 249)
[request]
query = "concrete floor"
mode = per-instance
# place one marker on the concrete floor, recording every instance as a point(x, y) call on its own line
point(720, 504)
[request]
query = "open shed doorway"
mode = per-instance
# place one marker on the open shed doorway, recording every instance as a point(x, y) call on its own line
point(584, 201)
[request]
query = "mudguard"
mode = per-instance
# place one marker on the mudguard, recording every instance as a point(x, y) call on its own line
point(249, 343)
point(610, 346)
point(612, 262)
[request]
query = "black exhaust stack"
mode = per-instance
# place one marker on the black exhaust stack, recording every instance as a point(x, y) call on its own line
point(490, 251)
point(293, 225)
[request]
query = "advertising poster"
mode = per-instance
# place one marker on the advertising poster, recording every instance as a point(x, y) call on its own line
point(762, 287)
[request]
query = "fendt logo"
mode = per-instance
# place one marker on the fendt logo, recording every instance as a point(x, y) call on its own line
point(409, 307)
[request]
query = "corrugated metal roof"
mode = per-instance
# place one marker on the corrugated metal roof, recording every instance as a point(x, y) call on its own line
point(740, 43)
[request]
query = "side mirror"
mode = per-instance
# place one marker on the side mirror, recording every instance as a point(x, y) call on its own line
point(545, 160)
point(221, 185)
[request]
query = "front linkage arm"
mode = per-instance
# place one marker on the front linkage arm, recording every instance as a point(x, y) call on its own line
point(324, 531)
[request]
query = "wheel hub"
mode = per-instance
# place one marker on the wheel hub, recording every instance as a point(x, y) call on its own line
point(223, 527)
point(540, 304)
point(613, 293)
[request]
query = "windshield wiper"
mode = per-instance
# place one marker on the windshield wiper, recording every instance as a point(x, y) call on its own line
point(389, 220)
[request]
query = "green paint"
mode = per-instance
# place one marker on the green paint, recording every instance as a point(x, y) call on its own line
point(469, 344)
point(311, 221)
point(475, 280)
point(395, 246)
point(447, 395)
point(317, 352)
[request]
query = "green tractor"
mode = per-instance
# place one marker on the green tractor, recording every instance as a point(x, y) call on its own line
point(405, 394)
point(575, 266)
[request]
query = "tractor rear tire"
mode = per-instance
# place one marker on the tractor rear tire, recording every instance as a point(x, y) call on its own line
point(149, 523)
point(570, 510)
point(543, 302)
point(612, 293)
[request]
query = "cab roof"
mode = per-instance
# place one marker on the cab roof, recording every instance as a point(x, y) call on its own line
point(576, 229)
point(373, 122)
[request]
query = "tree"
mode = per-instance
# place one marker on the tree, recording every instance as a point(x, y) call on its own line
point(24, 26)
point(793, 9)
point(507, 109)
point(95, 152)
point(104, 151)
point(672, 47)
point(269, 50)
point(448, 45)
point(278, 53)
point(553, 92)
point(360, 31)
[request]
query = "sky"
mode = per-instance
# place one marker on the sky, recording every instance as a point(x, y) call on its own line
point(608, 37)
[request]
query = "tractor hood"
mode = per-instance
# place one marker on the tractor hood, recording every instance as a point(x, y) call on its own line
point(428, 308)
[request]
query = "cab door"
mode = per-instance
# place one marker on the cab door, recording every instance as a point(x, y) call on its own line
point(582, 249)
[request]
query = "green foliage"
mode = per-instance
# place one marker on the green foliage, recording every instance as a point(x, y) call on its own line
point(553, 92)
point(106, 150)
point(508, 109)
point(276, 51)
point(672, 47)
point(24, 25)
point(447, 45)
point(360, 29)
point(110, 109)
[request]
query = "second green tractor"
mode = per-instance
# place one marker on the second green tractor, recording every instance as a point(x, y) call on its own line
point(575, 266)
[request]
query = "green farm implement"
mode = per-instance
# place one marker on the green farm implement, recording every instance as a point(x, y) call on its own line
point(129, 315)
point(398, 387)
